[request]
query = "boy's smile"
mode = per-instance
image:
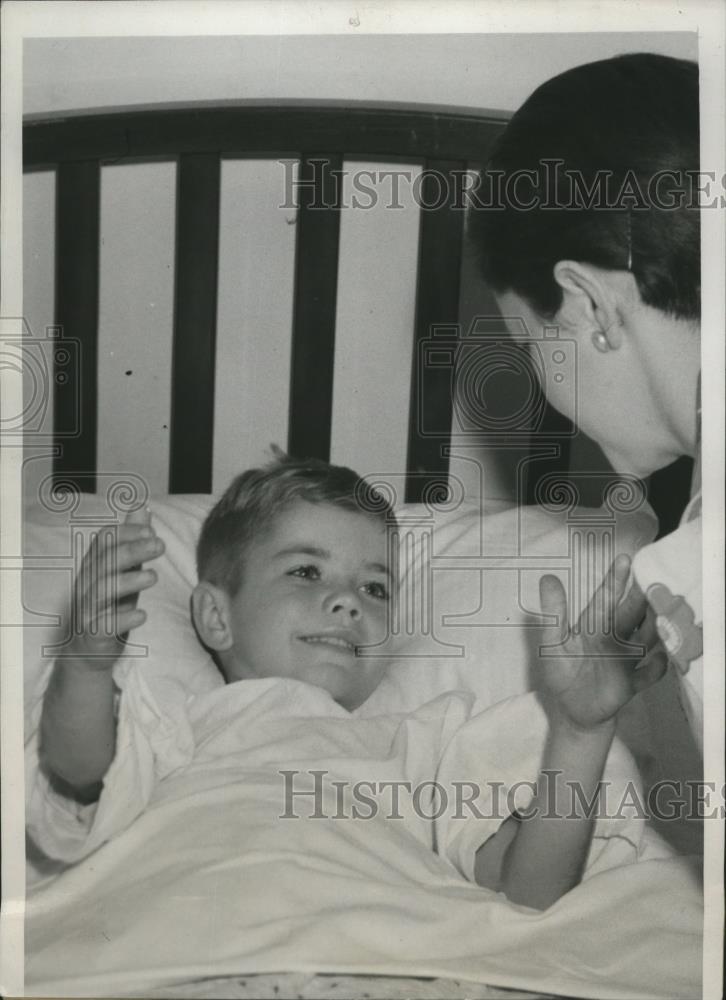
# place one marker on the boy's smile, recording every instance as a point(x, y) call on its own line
point(315, 589)
point(341, 641)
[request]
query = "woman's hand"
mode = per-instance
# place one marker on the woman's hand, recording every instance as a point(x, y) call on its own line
point(106, 590)
point(586, 674)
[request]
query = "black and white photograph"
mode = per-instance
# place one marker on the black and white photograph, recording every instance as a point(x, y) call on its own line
point(362, 479)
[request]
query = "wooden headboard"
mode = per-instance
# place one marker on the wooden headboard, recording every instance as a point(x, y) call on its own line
point(445, 142)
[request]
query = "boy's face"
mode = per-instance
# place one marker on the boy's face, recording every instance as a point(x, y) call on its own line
point(316, 587)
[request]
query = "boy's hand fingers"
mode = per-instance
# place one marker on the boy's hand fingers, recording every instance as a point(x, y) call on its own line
point(126, 620)
point(132, 532)
point(646, 635)
point(630, 612)
point(139, 551)
point(109, 552)
point(650, 671)
point(107, 624)
point(109, 581)
point(85, 588)
point(102, 581)
point(553, 601)
point(116, 535)
point(646, 630)
point(601, 609)
point(123, 591)
point(100, 565)
point(134, 582)
point(142, 517)
point(122, 556)
point(120, 547)
point(114, 622)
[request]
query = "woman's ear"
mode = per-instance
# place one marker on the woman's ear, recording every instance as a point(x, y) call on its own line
point(589, 303)
point(210, 616)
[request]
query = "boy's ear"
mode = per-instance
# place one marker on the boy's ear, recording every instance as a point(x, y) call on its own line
point(211, 619)
point(589, 303)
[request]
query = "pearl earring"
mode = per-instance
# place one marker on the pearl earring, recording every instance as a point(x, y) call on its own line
point(601, 342)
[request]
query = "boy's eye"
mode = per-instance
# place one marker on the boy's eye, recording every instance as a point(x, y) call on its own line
point(377, 590)
point(305, 572)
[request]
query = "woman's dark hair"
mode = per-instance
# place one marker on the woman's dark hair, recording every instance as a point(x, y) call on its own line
point(612, 150)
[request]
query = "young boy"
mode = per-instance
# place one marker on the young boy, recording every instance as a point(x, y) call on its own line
point(294, 583)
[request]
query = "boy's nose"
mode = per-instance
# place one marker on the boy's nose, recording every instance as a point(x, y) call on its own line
point(344, 602)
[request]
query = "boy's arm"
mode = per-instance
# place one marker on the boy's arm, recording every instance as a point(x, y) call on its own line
point(536, 860)
point(78, 728)
point(78, 723)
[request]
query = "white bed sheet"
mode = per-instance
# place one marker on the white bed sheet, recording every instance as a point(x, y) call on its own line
point(210, 881)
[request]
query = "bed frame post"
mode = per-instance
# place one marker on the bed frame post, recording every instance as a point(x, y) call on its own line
point(75, 404)
point(195, 323)
point(313, 330)
point(437, 305)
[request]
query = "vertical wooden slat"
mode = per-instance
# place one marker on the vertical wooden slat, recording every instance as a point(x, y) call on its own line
point(76, 311)
point(437, 304)
point(316, 281)
point(195, 322)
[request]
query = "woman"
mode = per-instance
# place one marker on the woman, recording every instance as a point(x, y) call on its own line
point(596, 231)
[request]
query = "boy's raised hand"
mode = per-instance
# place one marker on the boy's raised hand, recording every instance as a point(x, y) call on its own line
point(589, 676)
point(107, 587)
